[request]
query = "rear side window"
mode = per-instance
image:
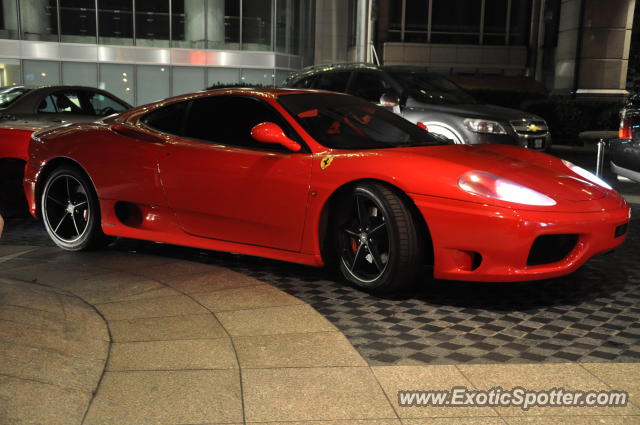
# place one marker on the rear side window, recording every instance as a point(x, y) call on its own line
point(168, 119)
point(333, 81)
point(369, 86)
point(67, 102)
point(305, 83)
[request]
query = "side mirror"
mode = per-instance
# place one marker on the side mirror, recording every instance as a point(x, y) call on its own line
point(390, 101)
point(269, 132)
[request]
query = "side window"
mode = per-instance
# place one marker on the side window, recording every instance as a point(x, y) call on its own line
point(228, 120)
point(62, 103)
point(305, 83)
point(103, 105)
point(369, 86)
point(168, 119)
point(47, 106)
point(333, 81)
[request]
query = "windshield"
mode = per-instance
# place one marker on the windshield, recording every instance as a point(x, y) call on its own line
point(346, 122)
point(9, 94)
point(432, 88)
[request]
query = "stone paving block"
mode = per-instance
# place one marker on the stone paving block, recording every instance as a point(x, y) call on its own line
point(468, 420)
point(423, 378)
point(195, 326)
point(544, 377)
point(55, 340)
point(30, 402)
point(178, 305)
point(52, 274)
point(338, 422)
point(174, 269)
point(573, 420)
point(274, 320)
point(173, 355)
point(319, 349)
point(49, 367)
point(32, 318)
point(118, 286)
point(624, 376)
point(249, 297)
point(214, 280)
point(167, 397)
point(294, 394)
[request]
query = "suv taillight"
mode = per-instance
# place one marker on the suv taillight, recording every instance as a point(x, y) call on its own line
point(625, 127)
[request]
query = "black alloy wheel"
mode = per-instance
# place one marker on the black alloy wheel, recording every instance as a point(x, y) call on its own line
point(379, 248)
point(70, 210)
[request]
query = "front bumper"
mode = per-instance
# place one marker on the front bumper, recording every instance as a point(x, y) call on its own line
point(538, 142)
point(479, 242)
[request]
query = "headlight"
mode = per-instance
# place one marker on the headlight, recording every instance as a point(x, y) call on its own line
point(484, 126)
point(586, 174)
point(491, 186)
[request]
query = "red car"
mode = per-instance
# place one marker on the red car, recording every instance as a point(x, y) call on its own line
point(319, 178)
point(24, 110)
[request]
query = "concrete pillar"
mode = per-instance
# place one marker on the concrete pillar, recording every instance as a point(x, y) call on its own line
point(215, 22)
point(332, 38)
point(34, 19)
point(10, 13)
point(593, 45)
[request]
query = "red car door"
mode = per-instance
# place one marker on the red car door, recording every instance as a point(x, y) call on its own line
point(222, 184)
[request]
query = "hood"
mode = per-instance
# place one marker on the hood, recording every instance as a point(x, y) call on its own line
point(435, 170)
point(475, 110)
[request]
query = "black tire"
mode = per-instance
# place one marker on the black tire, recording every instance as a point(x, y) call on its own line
point(71, 211)
point(379, 248)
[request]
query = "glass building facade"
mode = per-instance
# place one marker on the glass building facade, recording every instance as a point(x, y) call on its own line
point(480, 22)
point(143, 50)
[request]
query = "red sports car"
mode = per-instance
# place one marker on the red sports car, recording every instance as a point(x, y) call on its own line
point(319, 178)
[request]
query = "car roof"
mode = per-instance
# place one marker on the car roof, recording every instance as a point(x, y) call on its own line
point(319, 69)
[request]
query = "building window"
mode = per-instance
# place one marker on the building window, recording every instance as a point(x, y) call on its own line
point(119, 80)
point(256, 24)
point(490, 22)
point(115, 19)
point(40, 73)
point(152, 83)
point(78, 21)
point(152, 23)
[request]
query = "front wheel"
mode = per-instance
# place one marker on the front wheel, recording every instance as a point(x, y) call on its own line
point(70, 211)
point(378, 244)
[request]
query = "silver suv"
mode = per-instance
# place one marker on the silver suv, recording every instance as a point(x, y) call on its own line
point(429, 100)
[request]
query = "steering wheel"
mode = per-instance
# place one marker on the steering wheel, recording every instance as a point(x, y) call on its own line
point(107, 110)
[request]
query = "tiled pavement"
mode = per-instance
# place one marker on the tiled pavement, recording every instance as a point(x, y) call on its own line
point(592, 315)
point(124, 338)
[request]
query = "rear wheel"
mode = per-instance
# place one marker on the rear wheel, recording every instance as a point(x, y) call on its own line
point(71, 212)
point(378, 245)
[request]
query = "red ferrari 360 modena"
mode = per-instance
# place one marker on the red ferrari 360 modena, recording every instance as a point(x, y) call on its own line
point(319, 178)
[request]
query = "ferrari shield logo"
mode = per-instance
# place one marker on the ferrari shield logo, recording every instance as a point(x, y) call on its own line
point(326, 161)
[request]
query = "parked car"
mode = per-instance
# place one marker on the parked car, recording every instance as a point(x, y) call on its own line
point(624, 152)
point(24, 110)
point(317, 178)
point(432, 100)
